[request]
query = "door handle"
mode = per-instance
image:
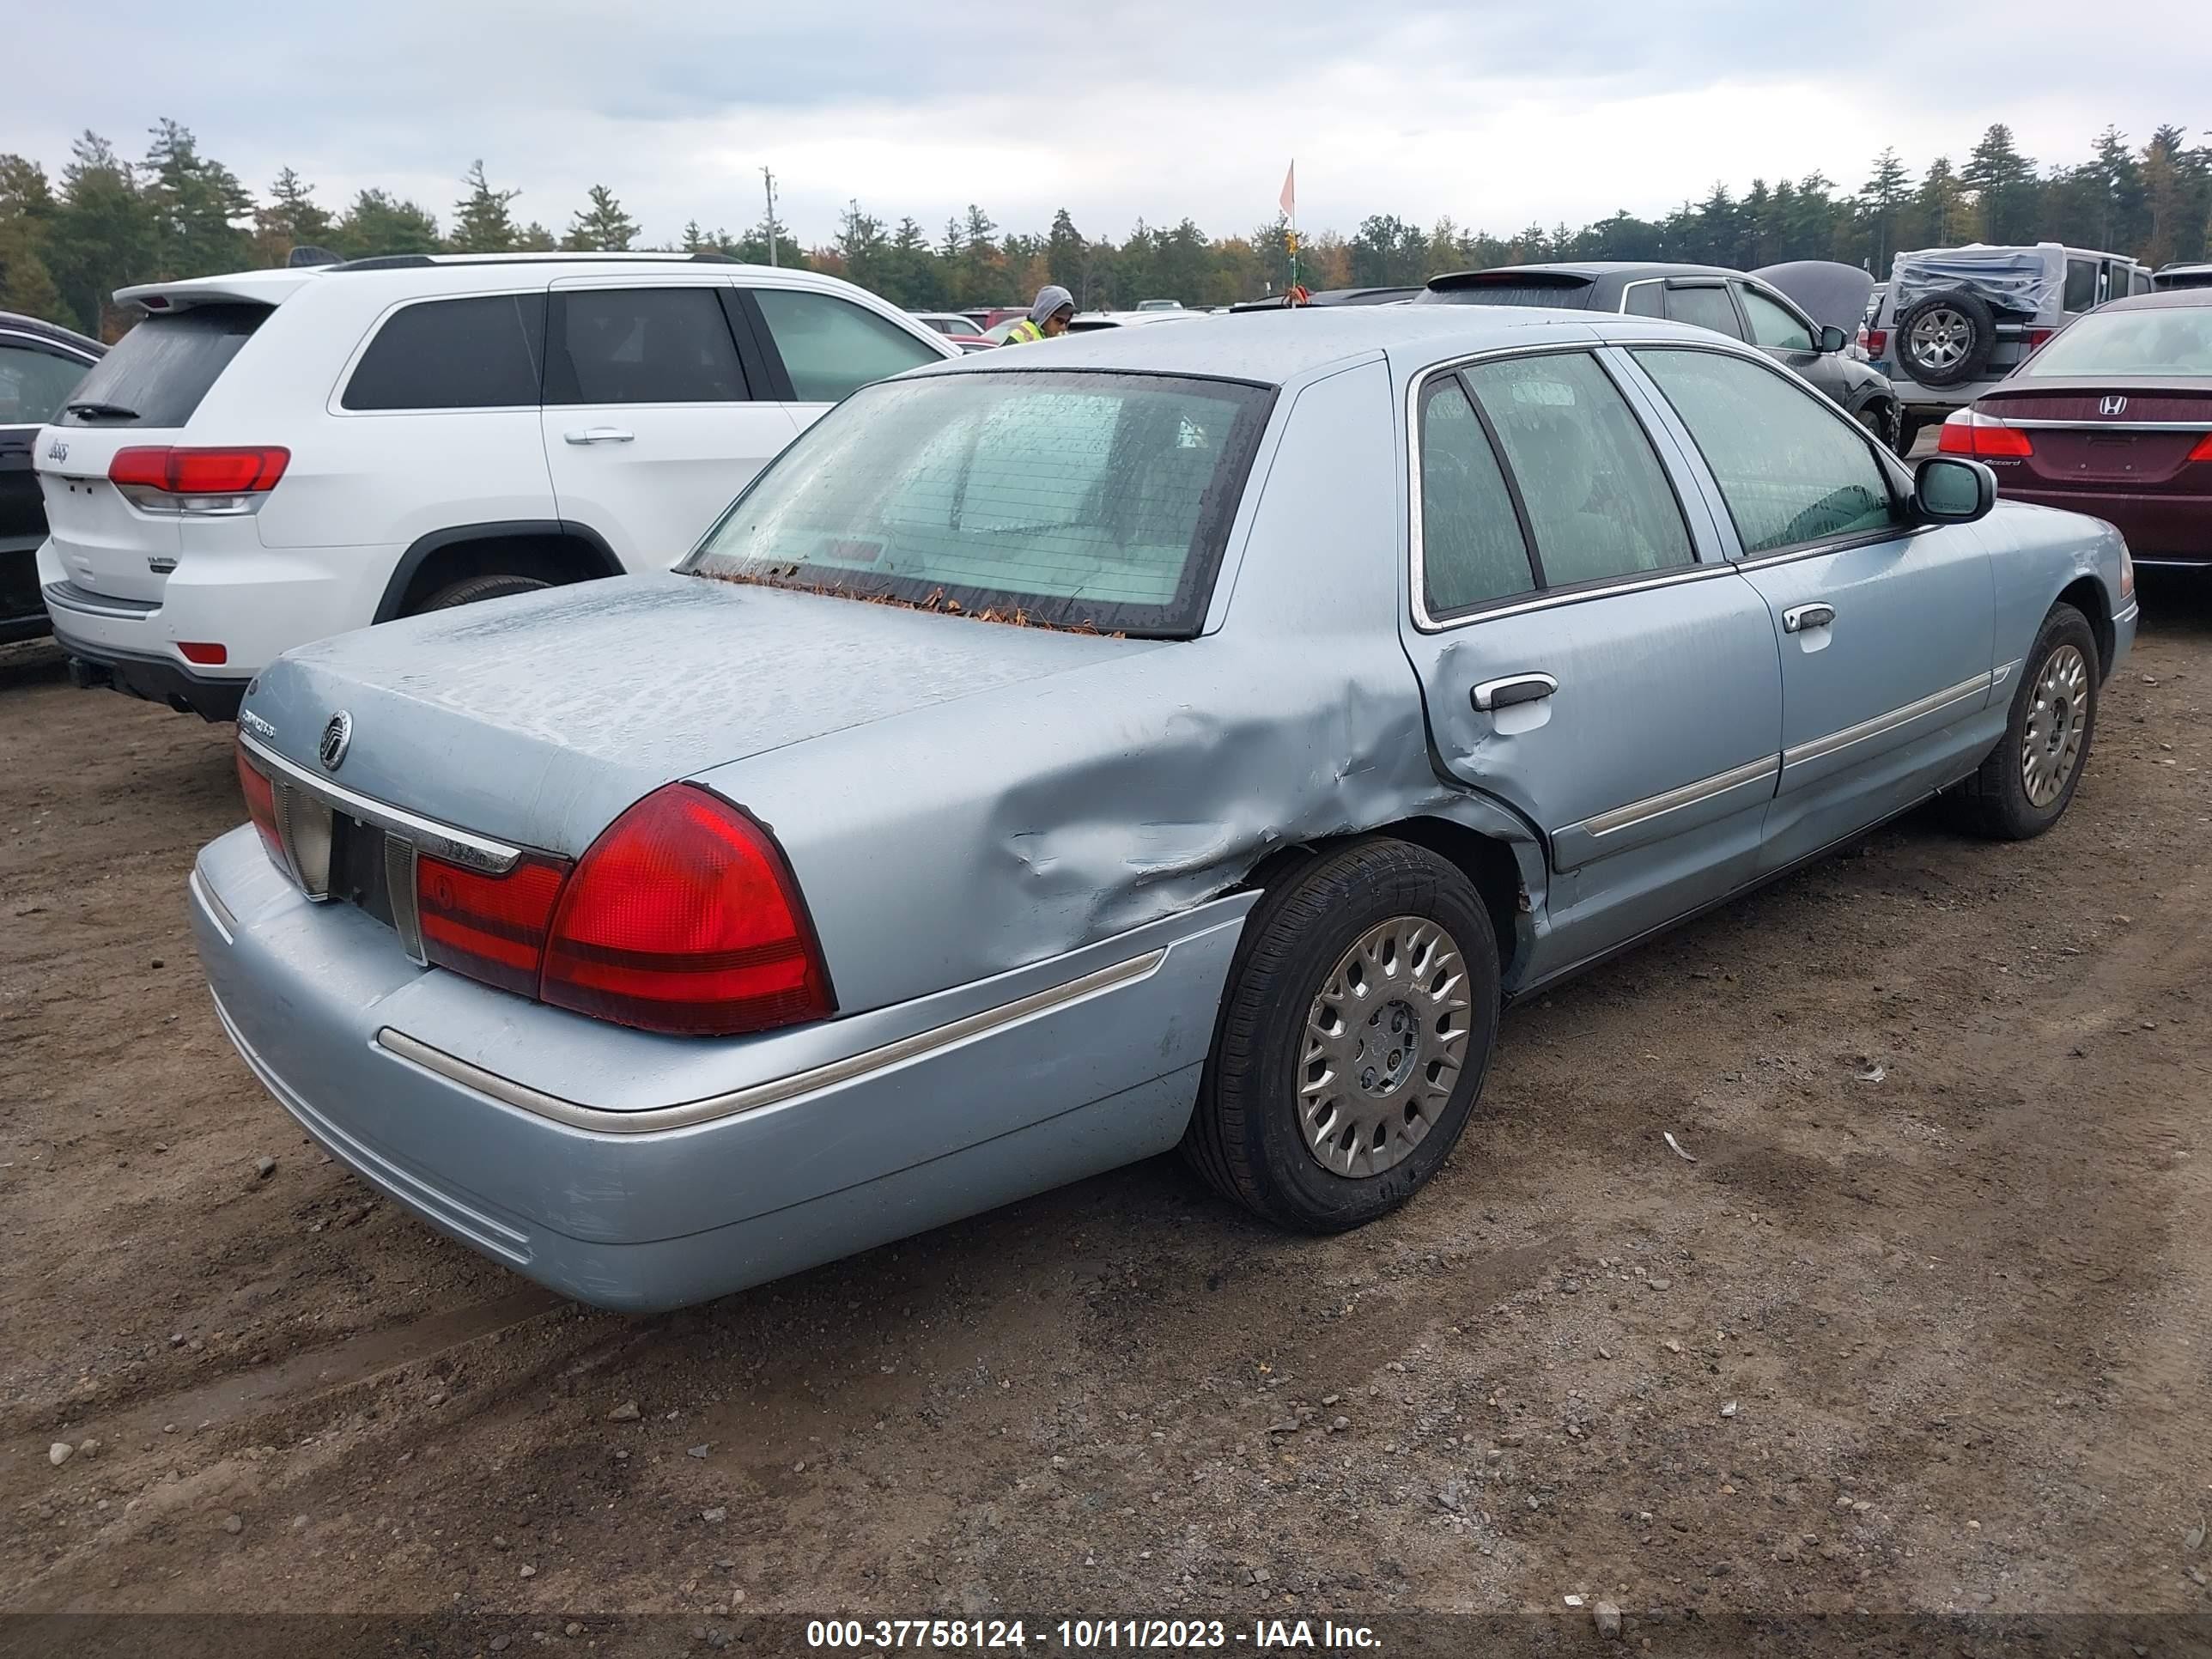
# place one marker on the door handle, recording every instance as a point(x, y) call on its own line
point(599, 435)
point(1516, 688)
point(1799, 617)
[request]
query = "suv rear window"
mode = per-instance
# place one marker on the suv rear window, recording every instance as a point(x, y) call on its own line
point(158, 373)
point(483, 352)
point(1068, 499)
point(1572, 294)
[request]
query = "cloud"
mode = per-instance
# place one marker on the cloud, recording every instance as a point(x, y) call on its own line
point(1497, 114)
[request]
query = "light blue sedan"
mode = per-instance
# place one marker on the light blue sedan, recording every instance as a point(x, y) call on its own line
point(1166, 736)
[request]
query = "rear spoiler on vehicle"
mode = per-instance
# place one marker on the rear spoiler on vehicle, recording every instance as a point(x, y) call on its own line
point(253, 288)
point(1508, 277)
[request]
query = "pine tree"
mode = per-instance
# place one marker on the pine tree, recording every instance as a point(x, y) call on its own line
point(861, 243)
point(27, 214)
point(196, 204)
point(2007, 191)
point(602, 226)
point(102, 234)
point(1882, 198)
point(377, 223)
point(291, 218)
point(481, 224)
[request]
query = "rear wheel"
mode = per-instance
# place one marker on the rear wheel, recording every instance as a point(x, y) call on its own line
point(1352, 1041)
point(1883, 424)
point(471, 589)
point(2028, 780)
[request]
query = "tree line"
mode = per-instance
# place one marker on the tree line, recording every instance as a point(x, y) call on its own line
point(104, 221)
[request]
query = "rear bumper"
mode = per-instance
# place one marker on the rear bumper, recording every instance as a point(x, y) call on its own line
point(156, 679)
point(637, 1172)
point(256, 602)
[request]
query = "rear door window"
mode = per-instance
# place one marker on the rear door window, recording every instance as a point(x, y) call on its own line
point(2080, 291)
point(482, 352)
point(33, 381)
point(1598, 504)
point(1704, 305)
point(1472, 549)
point(1644, 299)
point(831, 347)
point(643, 346)
point(157, 373)
point(1791, 470)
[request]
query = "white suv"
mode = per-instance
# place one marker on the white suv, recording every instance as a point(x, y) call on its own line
point(281, 455)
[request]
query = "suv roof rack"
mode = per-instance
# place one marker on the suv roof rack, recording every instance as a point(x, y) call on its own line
point(417, 261)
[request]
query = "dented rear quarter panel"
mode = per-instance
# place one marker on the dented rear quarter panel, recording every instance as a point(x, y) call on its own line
point(948, 842)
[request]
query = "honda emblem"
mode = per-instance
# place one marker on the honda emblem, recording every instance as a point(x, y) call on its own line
point(2112, 406)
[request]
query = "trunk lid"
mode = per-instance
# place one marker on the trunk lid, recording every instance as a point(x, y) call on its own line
point(538, 720)
point(2109, 436)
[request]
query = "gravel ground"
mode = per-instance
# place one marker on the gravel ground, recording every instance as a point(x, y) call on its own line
point(1924, 1327)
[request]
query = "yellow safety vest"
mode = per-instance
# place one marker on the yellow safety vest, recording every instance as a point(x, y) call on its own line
point(1023, 333)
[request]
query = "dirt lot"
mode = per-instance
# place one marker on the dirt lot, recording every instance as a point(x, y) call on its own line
point(1926, 1326)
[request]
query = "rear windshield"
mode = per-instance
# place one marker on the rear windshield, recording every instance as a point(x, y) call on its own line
point(1572, 297)
point(157, 373)
point(2167, 342)
point(1067, 499)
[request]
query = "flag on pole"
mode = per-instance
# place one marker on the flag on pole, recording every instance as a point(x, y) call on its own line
point(1289, 199)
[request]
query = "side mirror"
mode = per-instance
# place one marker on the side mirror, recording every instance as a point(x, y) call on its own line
point(1833, 339)
point(1948, 490)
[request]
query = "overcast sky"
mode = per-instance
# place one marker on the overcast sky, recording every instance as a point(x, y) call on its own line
point(1497, 114)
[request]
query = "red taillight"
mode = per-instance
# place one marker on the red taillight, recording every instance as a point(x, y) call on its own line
point(201, 651)
point(174, 472)
point(489, 927)
point(2203, 450)
point(1983, 437)
point(2036, 336)
point(1877, 342)
point(682, 916)
point(261, 807)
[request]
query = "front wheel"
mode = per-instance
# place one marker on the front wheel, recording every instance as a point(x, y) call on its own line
point(2028, 780)
point(1353, 1039)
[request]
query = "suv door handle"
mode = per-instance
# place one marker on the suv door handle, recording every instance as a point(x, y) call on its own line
point(599, 435)
point(1799, 617)
point(1516, 688)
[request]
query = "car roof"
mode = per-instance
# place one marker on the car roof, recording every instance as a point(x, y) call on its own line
point(2159, 299)
point(21, 323)
point(1295, 344)
point(1589, 269)
point(454, 273)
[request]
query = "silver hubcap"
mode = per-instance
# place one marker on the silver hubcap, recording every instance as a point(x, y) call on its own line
point(1939, 339)
point(2052, 748)
point(1384, 1043)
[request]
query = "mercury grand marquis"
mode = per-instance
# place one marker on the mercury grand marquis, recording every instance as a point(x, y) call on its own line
point(1166, 736)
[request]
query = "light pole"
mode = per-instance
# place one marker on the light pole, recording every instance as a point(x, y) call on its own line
point(769, 178)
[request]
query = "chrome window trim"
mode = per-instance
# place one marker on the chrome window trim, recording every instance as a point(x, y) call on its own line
point(493, 858)
point(754, 1097)
point(1688, 794)
point(1835, 742)
point(1626, 288)
point(1428, 622)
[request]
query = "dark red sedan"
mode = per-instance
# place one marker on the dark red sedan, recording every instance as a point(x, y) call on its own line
point(2113, 417)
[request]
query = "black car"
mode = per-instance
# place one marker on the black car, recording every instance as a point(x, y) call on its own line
point(40, 366)
point(1729, 302)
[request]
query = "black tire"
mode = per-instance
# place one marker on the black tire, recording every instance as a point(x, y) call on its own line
point(1995, 801)
point(1882, 422)
point(470, 590)
point(1970, 316)
point(1245, 1136)
point(1908, 429)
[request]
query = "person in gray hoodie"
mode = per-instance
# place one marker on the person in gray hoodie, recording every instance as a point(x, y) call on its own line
point(1048, 318)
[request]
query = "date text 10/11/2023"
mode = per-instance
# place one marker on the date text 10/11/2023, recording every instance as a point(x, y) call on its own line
point(1088, 1635)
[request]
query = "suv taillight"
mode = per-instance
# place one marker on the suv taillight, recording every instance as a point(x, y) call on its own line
point(1877, 342)
point(684, 916)
point(2036, 336)
point(166, 479)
